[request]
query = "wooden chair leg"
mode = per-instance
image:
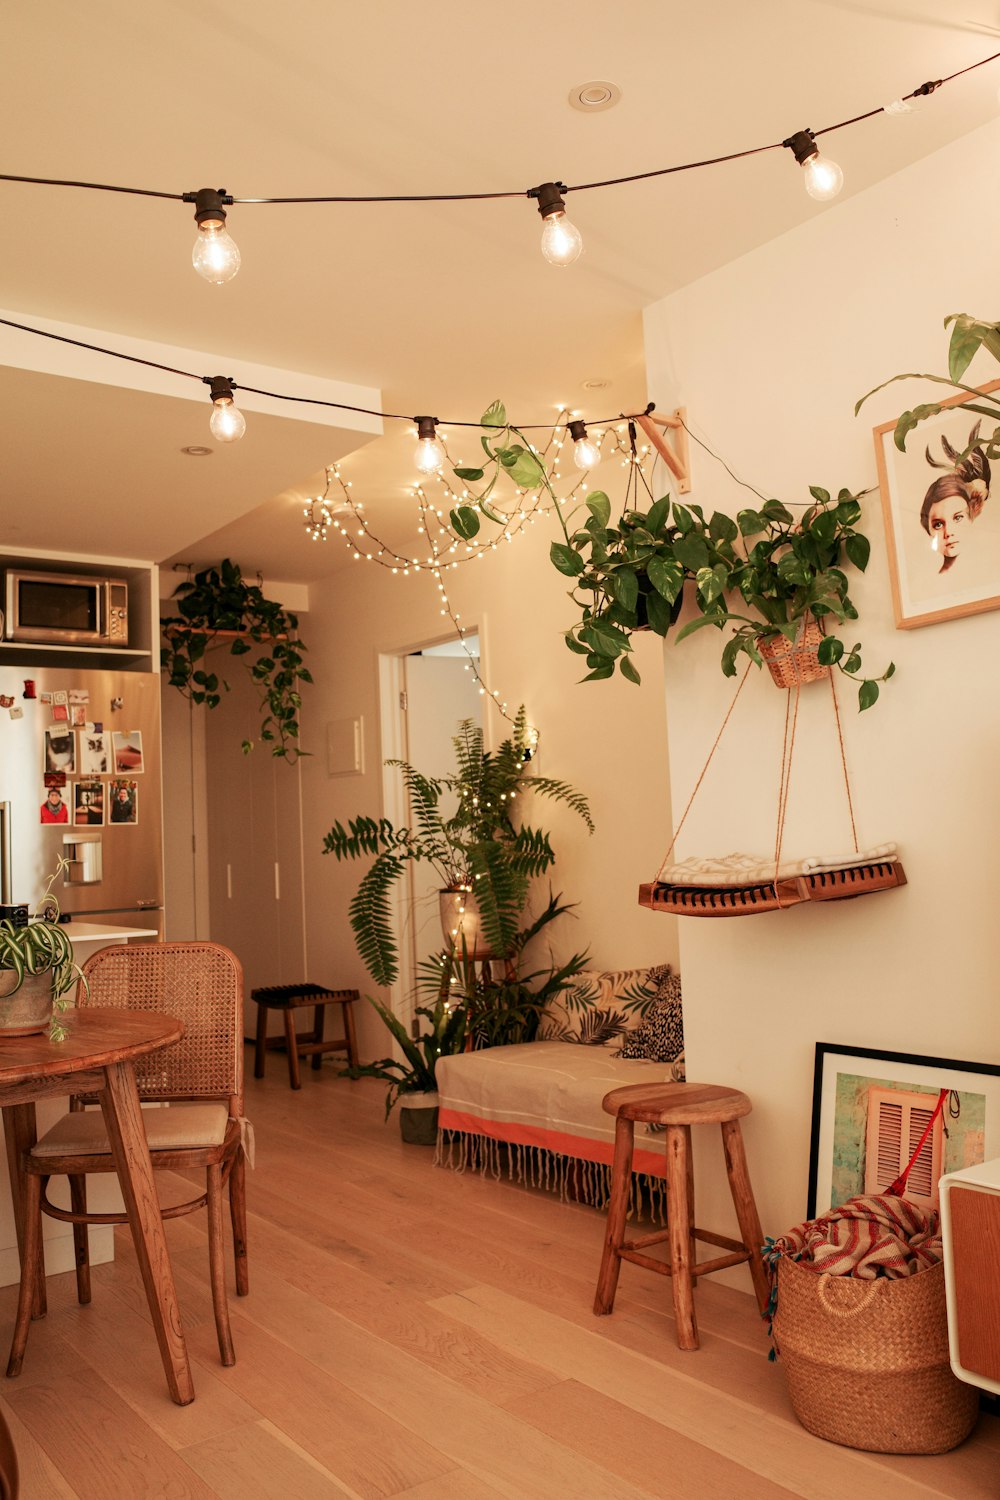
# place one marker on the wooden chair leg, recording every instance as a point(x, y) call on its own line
point(319, 1022)
point(260, 1050)
point(81, 1239)
point(621, 1177)
point(217, 1265)
point(32, 1245)
point(292, 1043)
point(238, 1215)
point(746, 1208)
point(679, 1226)
point(347, 1008)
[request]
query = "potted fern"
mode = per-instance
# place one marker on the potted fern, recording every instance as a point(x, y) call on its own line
point(466, 827)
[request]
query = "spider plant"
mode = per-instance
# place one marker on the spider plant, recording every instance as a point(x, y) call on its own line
point(41, 947)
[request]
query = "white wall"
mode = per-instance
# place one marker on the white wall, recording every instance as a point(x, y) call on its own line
point(769, 355)
point(606, 739)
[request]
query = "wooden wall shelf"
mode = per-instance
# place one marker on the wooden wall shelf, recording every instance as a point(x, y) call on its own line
point(748, 900)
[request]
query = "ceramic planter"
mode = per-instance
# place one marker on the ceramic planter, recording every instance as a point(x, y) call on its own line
point(27, 1010)
point(461, 924)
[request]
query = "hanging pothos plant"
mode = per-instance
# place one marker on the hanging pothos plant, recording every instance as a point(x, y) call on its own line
point(219, 606)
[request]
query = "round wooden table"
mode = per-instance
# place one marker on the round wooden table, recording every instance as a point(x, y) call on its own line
point(97, 1058)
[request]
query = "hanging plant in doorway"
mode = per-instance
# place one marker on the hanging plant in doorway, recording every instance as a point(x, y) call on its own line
point(218, 606)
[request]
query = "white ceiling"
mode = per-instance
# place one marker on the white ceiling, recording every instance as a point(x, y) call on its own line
point(441, 307)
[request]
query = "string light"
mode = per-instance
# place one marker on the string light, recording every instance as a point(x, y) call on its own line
point(586, 453)
point(430, 455)
point(227, 422)
point(823, 178)
point(215, 256)
point(562, 242)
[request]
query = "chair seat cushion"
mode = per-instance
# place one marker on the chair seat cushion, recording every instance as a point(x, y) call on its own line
point(168, 1128)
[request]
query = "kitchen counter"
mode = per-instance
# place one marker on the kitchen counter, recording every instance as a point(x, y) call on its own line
point(88, 937)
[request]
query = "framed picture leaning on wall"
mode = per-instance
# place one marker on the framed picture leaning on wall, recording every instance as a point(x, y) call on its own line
point(871, 1109)
point(941, 500)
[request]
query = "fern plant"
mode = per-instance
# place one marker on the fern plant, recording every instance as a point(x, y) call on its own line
point(480, 847)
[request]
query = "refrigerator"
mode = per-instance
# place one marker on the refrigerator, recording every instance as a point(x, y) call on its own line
point(80, 780)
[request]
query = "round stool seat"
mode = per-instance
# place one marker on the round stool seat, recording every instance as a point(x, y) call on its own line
point(677, 1103)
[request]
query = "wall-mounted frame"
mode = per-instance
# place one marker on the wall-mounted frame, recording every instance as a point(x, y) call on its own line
point(850, 1083)
point(942, 525)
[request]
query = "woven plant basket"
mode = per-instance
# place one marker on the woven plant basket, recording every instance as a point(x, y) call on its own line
point(867, 1361)
point(789, 665)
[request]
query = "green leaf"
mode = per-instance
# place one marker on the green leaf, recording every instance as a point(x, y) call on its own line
point(566, 559)
point(658, 614)
point(966, 337)
point(574, 644)
point(601, 673)
point(625, 587)
point(465, 521)
point(709, 584)
point(773, 510)
point(666, 577)
point(722, 528)
point(600, 507)
point(848, 511)
point(858, 549)
point(793, 570)
point(823, 526)
point(889, 671)
point(683, 519)
point(911, 419)
point(692, 552)
point(867, 694)
point(469, 474)
point(495, 415)
point(658, 515)
point(829, 651)
point(823, 496)
point(527, 471)
point(606, 639)
point(700, 623)
point(628, 669)
point(853, 662)
point(750, 522)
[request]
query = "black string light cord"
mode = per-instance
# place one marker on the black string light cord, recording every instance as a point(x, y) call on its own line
point(921, 91)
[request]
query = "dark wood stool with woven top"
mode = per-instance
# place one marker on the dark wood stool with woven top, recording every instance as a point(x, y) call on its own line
point(678, 1106)
point(288, 998)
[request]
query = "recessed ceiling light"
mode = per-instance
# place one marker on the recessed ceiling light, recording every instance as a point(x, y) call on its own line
point(197, 451)
point(596, 95)
point(596, 385)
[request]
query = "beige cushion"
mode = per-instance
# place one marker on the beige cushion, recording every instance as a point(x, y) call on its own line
point(598, 1007)
point(167, 1128)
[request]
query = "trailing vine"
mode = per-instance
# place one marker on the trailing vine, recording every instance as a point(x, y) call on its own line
point(216, 606)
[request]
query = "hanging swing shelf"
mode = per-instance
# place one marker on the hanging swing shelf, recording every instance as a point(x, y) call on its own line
point(770, 895)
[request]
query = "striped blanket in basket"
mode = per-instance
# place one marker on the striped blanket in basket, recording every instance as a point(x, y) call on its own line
point(880, 1235)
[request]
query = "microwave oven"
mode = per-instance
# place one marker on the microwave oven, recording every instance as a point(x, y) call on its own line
point(65, 608)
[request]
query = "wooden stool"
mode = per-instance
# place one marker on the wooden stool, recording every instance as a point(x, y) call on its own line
point(289, 998)
point(678, 1106)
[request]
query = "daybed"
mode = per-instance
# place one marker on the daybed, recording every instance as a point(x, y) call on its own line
point(534, 1110)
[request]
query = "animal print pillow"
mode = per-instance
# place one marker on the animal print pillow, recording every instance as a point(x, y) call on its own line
point(660, 1036)
point(601, 1006)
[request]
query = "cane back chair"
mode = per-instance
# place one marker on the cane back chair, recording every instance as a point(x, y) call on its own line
point(198, 1080)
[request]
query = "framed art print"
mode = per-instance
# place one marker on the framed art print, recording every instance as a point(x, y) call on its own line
point(871, 1110)
point(941, 500)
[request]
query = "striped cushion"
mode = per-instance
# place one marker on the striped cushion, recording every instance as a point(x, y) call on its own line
point(173, 1127)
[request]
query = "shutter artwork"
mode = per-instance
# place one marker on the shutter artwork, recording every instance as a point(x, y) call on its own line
point(897, 1119)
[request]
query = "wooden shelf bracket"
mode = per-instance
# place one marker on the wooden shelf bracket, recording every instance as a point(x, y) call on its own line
point(674, 450)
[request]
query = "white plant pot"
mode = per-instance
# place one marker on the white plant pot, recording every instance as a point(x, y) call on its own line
point(418, 1118)
point(461, 924)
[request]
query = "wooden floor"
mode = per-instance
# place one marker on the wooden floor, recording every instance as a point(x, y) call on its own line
point(412, 1332)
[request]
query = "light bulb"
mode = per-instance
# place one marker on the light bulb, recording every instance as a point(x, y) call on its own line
point(216, 255)
point(823, 178)
point(586, 454)
point(430, 455)
point(562, 242)
point(227, 422)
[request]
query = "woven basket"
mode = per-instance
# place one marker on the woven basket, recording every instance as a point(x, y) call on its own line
point(789, 665)
point(867, 1361)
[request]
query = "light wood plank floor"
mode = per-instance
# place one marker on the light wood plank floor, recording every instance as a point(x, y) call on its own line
point(417, 1333)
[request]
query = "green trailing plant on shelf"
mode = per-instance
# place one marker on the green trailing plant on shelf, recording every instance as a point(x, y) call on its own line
point(218, 606)
point(757, 577)
point(38, 949)
point(968, 336)
point(466, 827)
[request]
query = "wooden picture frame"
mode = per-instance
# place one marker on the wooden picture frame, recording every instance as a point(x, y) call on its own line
point(845, 1078)
point(953, 570)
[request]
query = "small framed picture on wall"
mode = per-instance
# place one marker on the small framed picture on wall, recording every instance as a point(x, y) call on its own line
point(941, 499)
